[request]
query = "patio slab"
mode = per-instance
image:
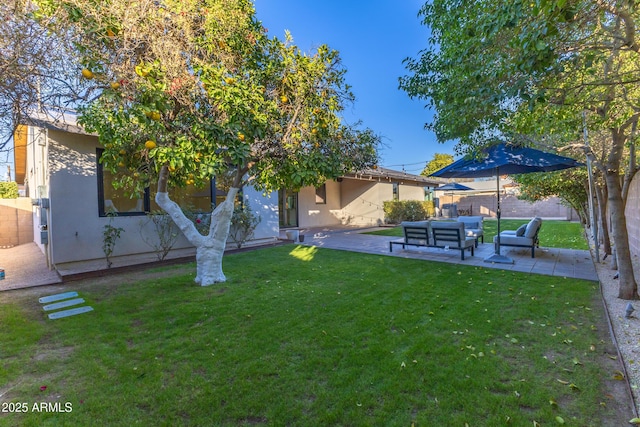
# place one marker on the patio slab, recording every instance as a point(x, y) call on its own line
point(548, 261)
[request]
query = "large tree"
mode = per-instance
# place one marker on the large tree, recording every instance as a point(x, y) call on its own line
point(438, 161)
point(194, 89)
point(570, 186)
point(532, 68)
point(36, 70)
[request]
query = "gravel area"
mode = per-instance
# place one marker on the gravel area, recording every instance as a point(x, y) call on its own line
point(626, 330)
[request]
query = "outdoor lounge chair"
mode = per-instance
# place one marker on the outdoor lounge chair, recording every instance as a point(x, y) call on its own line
point(435, 234)
point(526, 236)
point(416, 233)
point(451, 235)
point(473, 227)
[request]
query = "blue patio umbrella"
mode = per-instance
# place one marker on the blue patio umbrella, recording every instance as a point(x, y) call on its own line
point(505, 159)
point(452, 187)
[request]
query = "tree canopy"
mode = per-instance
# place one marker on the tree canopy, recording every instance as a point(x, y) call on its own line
point(438, 161)
point(200, 88)
point(196, 89)
point(526, 72)
point(37, 69)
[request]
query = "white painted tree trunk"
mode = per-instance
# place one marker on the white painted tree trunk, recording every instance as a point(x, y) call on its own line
point(209, 248)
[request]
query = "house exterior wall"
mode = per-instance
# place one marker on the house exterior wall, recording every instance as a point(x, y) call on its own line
point(75, 229)
point(36, 178)
point(312, 214)
point(357, 202)
point(362, 201)
point(266, 207)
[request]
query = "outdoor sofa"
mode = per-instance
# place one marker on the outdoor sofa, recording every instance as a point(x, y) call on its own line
point(526, 236)
point(473, 227)
point(435, 234)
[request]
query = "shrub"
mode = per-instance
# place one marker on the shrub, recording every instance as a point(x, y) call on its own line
point(110, 235)
point(202, 220)
point(166, 230)
point(396, 211)
point(8, 190)
point(243, 224)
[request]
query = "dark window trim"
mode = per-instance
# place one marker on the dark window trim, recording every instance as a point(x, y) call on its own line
point(146, 198)
point(321, 195)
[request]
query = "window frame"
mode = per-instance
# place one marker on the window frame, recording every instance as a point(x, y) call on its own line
point(146, 196)
point(321, 194)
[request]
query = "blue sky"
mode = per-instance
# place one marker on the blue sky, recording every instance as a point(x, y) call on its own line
point(373, 37)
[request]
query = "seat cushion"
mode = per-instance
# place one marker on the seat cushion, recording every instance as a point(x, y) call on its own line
point(415, 224)
point(448, 224)
point(469, 242)
point(532, 228)
point(471, 222)
point(510, 239)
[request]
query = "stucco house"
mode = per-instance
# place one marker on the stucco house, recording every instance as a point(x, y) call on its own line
point(355, 199)
point(56, 163)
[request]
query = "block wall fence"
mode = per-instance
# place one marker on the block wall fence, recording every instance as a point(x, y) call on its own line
point(16, 222)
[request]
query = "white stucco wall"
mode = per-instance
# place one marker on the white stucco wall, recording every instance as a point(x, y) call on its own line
point(362, 201)
point(75, 227)
point(312, 214)
point(266, 206)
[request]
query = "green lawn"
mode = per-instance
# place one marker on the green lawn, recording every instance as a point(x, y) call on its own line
point(553, 234)
point(304, 336)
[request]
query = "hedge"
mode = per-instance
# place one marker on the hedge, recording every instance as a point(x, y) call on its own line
point(396, 211)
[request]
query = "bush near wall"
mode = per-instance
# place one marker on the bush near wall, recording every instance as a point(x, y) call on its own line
point(8, 190)
point(396, 211)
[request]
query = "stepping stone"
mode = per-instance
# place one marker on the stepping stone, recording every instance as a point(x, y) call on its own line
point(63, 304)
point(58, 297)
point(71, 312)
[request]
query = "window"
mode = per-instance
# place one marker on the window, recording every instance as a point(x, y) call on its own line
point(321, 195)
point(396, 191)
point(113, 201)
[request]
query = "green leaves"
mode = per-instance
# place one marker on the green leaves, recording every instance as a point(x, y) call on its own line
point(223, 97)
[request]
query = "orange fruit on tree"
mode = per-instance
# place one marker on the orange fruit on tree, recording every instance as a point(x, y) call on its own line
point(87, 73)
point(150, 145)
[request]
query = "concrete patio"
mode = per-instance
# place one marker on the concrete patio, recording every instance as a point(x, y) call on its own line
point(549, 261)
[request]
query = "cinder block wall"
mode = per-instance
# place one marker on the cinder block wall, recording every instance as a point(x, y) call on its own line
point(632, 213)
point(512, 207)
point(16, 222)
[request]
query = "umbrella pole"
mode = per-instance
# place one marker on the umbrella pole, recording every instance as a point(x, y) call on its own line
point(496, 257)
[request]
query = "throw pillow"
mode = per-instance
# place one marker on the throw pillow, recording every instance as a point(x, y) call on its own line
point(520, 231)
